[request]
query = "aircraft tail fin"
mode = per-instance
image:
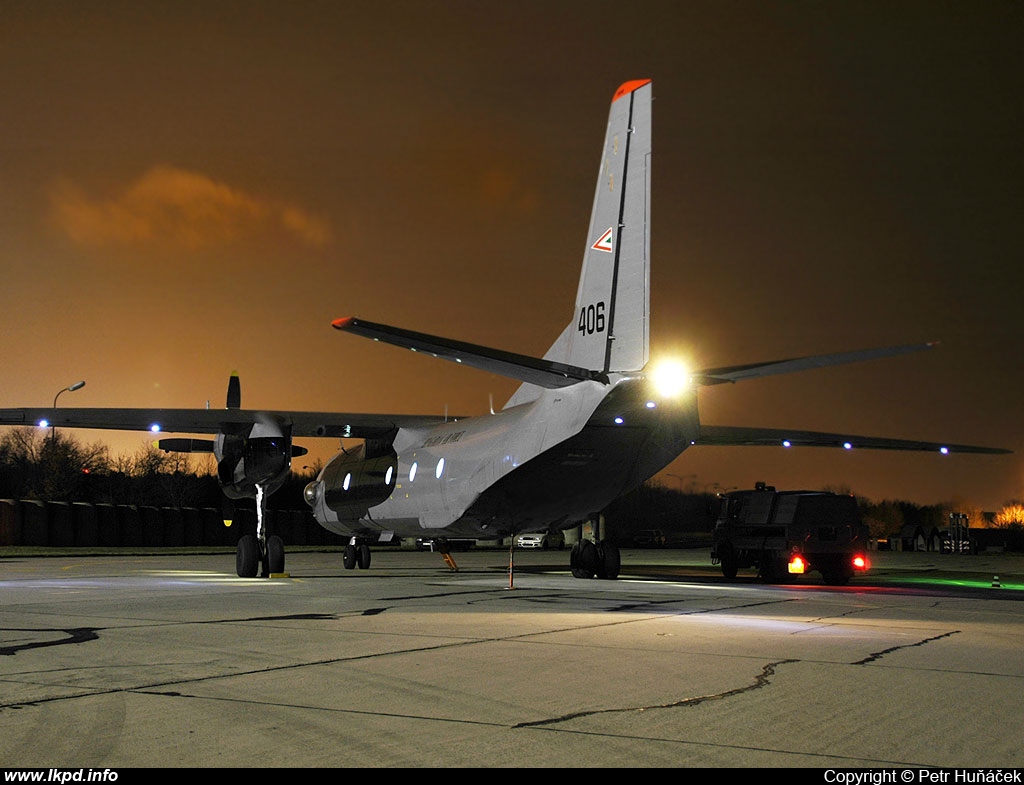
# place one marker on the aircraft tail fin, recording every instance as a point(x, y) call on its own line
point(610, 325)
point(609, 329)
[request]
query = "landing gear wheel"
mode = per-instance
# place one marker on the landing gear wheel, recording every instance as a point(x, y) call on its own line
point(609, 560)
point(247, 557)
point(350, 557)
point(583, 559)
point(363, 557)
point(275, 555)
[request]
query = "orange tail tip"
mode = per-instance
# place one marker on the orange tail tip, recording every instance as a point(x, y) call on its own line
point(629, 87)
point(342, 323)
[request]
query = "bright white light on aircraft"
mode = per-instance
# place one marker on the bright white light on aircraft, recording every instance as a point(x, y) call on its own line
point(440, 468)
point(651, 405)
point(155, 428)
point(619, 421)
point(412, 471)
point(670, 378)
point(348, 480)
point(43, 423)
point(847, 446)
point(787, 443)
point(387, 475)
point(944, 450)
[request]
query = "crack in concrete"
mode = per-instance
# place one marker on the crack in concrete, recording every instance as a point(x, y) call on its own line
point(879, 654)
point(761, 680)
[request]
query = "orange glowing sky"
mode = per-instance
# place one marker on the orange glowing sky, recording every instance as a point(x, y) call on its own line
point(188, 189)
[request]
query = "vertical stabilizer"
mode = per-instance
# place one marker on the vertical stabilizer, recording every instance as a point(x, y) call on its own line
point(609, 330)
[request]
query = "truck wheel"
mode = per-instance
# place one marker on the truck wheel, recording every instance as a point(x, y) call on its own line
point(729, 562)
point(836, 576)
point(775, 570)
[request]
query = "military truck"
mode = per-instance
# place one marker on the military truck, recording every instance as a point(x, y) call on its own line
point(784, 534)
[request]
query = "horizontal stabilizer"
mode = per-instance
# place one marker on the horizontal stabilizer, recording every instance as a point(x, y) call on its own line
point(735, 373)
point(729, 436)
point(543, 373)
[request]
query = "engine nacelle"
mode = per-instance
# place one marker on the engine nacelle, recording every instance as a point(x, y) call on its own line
point(351, 482)
point(245, 462)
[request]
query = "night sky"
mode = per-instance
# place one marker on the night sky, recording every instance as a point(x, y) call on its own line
point(190, 189)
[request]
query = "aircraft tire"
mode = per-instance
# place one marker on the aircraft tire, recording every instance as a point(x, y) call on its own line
point(247, 557)
point(583, 559)
point(363, 557)
point(610, 561)
point(349, 559)
point(275, 555)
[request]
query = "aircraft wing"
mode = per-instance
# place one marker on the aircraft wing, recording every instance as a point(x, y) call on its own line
point(735, 373)
point(302, 424)
point(730, 436)
point(543, 373)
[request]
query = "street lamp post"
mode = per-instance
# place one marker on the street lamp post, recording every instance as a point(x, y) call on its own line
point(681, 479)
point(69, 388)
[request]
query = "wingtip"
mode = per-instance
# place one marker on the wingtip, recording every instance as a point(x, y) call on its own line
point(343, 322)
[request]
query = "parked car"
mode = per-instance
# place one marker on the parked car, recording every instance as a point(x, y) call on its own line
point(650, 538)
point(543, 540)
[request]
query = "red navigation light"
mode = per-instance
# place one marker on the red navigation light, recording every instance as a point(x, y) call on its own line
point(797, 565)
point(860, 562)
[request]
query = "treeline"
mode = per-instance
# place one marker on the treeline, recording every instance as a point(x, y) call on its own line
point(50, 466)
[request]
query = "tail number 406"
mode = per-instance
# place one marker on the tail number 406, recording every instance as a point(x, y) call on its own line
point(592, 319)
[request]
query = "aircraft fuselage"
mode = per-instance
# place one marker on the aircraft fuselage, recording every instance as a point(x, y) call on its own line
point(552, 462)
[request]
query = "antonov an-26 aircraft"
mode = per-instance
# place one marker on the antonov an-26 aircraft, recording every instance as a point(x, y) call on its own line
point(590, 421)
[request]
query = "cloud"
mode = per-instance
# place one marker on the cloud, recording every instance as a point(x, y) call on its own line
point(176, 206)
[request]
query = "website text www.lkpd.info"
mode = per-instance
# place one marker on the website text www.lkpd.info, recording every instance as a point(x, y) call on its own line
point(61, 775)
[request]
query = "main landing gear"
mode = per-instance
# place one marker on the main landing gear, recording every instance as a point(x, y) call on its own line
point(261, 551)
point(357, 554)
point(588, 559)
